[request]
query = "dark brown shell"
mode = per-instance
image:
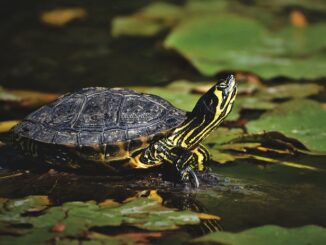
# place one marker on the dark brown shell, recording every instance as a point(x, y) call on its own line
point(99, 116)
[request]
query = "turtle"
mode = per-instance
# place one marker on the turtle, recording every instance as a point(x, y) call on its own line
point(118, 129)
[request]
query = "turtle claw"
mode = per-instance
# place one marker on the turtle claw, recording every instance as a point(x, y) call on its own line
point(188, 174)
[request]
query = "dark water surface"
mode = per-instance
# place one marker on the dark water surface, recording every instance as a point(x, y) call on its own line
point(80, 54)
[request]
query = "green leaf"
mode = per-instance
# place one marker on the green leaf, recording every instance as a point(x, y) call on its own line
point(148, 21)
point(292, 90)
point(75, 218)
point(266, 235)
point(210, 42)
point(303, 120)
point(135, 27)
point(224, 135)
point(218, 43)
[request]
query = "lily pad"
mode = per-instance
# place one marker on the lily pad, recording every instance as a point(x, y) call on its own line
point(303, 120)
point(73, 219)
point(269, 234)
point(218, 43)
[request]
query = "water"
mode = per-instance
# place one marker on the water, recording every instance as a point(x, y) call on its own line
point(84, 54)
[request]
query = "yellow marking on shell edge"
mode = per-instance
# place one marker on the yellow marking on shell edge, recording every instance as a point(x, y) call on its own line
point(136, 163)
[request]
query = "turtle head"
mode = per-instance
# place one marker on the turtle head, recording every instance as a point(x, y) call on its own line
point(210, 110)
point(219, 99)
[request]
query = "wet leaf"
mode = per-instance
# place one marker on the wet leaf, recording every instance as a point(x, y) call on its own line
point(61, 17)
point(269, 234)
point(73, 219)
point(303, 120)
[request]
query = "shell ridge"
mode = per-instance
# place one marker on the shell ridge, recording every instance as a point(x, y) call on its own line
point(73, 122)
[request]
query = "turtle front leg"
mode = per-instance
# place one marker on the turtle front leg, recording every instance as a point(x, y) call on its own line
point(202, 156)
point(189, 161)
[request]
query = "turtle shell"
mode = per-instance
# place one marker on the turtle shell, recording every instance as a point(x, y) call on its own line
point(98, 117)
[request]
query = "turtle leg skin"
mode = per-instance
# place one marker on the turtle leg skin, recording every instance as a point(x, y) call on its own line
point(189, 161)
point(202, 156)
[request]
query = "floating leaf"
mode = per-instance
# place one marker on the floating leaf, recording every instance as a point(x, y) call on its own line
point(73, 219)
point(60, 17)
point(303, 120)
point(269, 234)
point(212, 44)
